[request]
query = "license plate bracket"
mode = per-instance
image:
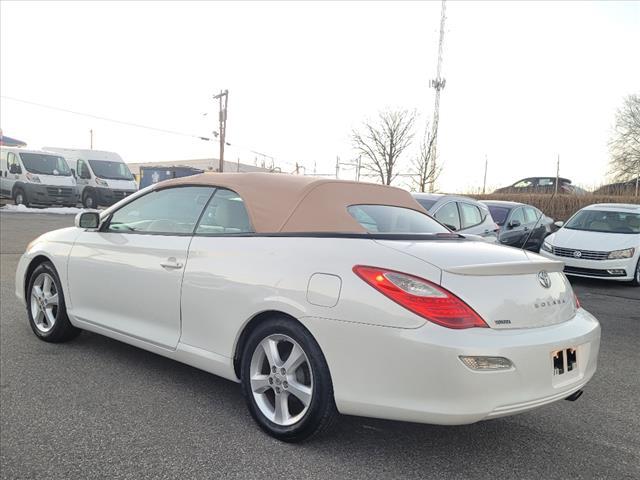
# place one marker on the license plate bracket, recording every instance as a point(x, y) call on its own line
point(564, 361)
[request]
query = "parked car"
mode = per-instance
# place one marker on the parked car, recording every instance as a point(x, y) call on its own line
point(282, 283)
point(34, 177)
point(103, 177)
point(521, 225)
point(460, 214)
point(541, 185)
point(619, 188)
point(599, 241)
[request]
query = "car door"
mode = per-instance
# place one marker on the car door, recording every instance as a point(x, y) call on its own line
point(449, 216)
point(11, 174)
point(3, 174)
point(514, 229)
point(214, 300)
point(127, 276)
point(83, 175)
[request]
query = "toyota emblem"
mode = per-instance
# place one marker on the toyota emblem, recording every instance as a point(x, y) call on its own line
point(544, 279)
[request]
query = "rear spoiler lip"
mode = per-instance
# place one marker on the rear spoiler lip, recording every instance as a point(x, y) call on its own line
point(507, 268)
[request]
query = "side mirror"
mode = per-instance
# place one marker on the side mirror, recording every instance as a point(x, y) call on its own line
point(15, 168)
point(73, 172)
point(89, 220)
point(559, 223)
point(514, 223)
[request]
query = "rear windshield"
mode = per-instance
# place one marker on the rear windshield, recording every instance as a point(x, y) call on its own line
point(604, 221)
point(499, 214)
point(45, 164)
point(390, 219)
point(110, 170)
point(426, 203)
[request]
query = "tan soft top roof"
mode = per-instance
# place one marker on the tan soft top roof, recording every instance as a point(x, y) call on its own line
point(291, 203)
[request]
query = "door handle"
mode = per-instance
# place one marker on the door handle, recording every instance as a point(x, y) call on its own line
point(171, 264)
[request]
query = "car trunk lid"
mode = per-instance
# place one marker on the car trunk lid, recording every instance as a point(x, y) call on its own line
point(507, 287)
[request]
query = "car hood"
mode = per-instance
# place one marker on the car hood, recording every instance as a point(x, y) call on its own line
point(595, 241)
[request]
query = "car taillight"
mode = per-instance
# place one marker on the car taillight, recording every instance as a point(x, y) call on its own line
point(421, 297)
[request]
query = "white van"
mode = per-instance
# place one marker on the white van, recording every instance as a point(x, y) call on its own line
point(34, 177)
point(103, 177)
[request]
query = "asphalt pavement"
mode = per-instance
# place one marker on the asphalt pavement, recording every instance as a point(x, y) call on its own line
point(97, 408)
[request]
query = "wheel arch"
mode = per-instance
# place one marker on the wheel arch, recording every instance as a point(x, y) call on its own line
point(33, 264)
point(250, 326)
point(19, 185)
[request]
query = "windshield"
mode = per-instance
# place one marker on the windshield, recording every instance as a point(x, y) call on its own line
point(605, 221)
point(43, 164)
point(110, 170)
point(389, 219)
point(499, 214)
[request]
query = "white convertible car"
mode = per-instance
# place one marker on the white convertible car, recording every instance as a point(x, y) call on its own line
point(318, 296)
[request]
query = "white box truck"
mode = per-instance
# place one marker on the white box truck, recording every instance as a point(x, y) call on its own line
point(34, 177)
point(103, 177)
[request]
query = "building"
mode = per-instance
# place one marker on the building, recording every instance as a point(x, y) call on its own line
point(206, 164)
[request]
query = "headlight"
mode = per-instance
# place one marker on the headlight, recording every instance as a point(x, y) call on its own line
point(626, 253)
point(546, 246)
point(101, 182)
point(33, 178)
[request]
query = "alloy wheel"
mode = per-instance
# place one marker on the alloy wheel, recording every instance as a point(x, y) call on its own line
point(281, 379)
point(44, 302)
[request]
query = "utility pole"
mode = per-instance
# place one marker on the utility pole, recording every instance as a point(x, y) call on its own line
point(358, 168)
point(337, 167)
point(557, 174)
point(438, 84)
point(486, 164)
point(91, 138)
point(223, 99)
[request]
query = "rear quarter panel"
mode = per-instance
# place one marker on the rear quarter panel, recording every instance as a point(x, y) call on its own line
point(229, 280)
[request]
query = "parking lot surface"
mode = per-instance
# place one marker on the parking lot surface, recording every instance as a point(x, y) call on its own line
point(97, 408)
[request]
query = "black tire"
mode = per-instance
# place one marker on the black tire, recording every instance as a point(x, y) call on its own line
point(321, 411)
point(62, 329)
point(636, 281)
point(89, 200)
point(20, 197)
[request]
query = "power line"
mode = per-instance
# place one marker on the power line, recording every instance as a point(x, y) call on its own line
point(107, 119)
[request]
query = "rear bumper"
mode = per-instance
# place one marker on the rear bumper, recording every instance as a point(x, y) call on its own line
point(597, 268)
point(51, 195)
point(416, 374)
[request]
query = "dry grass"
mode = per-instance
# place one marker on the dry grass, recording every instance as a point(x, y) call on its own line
point(559, 207)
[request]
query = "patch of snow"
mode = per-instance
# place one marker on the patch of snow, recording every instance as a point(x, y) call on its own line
point(56, 210)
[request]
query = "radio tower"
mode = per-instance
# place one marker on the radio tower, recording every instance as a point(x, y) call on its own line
point(438, 83)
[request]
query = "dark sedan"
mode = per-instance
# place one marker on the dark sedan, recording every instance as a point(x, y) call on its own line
point(540, 185)
point(521, 225)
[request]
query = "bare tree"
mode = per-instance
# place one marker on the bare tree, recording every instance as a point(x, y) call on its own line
point(624, 145)
point(423, 166)
point(381, 145)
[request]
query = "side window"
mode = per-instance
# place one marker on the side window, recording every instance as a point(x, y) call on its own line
point(530, 215)
point(527, 182)
point(470, 215)
point(546, 182)
point(518, 214)
point(83, 170)
point(225, 214)
point(169, 211)
point(12, 163)
point(448, 215)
